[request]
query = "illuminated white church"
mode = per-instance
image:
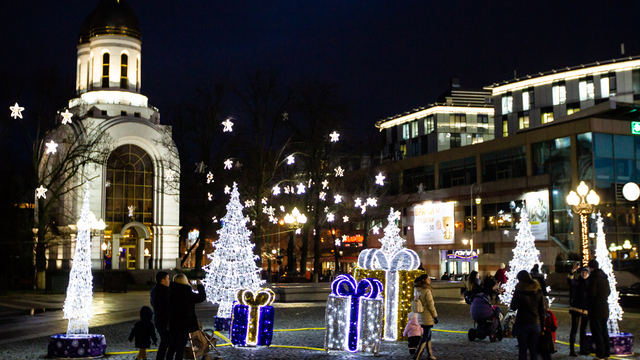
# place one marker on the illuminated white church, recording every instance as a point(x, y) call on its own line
point(130, 191)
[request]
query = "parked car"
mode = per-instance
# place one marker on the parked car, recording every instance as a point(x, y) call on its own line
point(630, 295)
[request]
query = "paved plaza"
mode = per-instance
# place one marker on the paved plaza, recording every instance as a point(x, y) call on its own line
point(26, 336)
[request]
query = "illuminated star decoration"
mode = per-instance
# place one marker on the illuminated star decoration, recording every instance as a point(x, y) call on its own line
point(273, 219)
point(200, 167)
point(282, 208)
point(285, 116)
point(325, 184)
point(420, 188)
point(345, 218)
point(228, 164)
point(310, 183)
point(330, 217)
point(337, 198)
point(364, 208)
point(170, 173)
point(209, 178)
point(269, 210)
point(228, 124)
point(380, 179)
point(339, 171)
point(227, 190)
point(264, 200)
point(397, 215)
point(16, 111)
point(322, 195)
point(209, 196)
point(291, 160)
point(276, 190)
point(131, 208)
point(249, 203)
point(358, 202)
point(326, 209)
point(372, 202)
point(375, 230)
point(301, 188)
point(334, 136)
point(298, 231)
point(214, 219)
point(238, 164)
point(66, 117)
point(51, 147)
point(287, 189)
point(40, 192)
point(337, 242)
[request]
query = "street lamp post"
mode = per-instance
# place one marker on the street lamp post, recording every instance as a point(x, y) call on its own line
point(583, 203)
point(477, 188)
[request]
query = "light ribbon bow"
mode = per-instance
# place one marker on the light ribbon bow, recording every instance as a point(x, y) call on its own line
point(346, 285)
point(255, 300)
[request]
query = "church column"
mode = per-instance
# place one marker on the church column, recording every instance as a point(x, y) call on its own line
point(115, 252)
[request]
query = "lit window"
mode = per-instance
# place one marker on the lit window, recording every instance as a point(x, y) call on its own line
point(604, 86)
point(124, 65)
point(105, 70)
point(483, 123)
point(405, 131)
point(505, 128)
point(458, 122)
point(525, 100)
point(573, 108)
point(546, 116)
point(414, 129)
point(613, 86)
point(523, 120)
point(455, 140)
point(559, 93)
point(507, 103)
point(428, 124)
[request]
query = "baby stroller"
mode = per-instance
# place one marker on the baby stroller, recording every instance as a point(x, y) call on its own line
point(202, 341)
point(487, 319)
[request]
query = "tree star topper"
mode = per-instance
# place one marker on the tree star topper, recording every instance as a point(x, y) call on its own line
point(334, 136)
point(200, 167)
point(228, 164)
point(228, 125)
point(339, 171)
point(16, 111)
point(66, 117)
point(380, 179)
point(40, 192)
point(51, 147)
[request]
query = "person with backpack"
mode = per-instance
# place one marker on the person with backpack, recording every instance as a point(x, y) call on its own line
point(424, 306)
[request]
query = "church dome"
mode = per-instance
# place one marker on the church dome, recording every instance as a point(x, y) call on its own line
point(111, 17)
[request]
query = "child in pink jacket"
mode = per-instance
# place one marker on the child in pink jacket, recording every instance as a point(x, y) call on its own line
point(414, 332)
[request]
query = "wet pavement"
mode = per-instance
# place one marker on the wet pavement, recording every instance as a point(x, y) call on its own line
point(26, 336)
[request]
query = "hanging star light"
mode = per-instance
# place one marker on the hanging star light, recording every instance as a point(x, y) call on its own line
point(322, 195)
point(330, 217)
point(291, 160)
point(264, 201)
point(345, 218)
point(375, 230)
point(16, 111)
point(200, 168)
point(285, 116)
point(269, 210)
point(358, 202)
point(253, 223)
point(169, 174)
point(298, 231)
point(337, 198)
point(339, 171)
point(380, 179)
point(334, 136)
point(273, 219)
point(372, 202)
point(51, 147)
point(364, 208)
point(287, 189)
point(209, 178)
point(66, 117)
point(325, 184)
point(397, 215)
point(249, 203)
point(228, 164)
point(326, 209)
point(282, 208)
point(276, 190)
point(238, 164)
point(131, 208)
point(227, 189)
point(214, 219)
point(228, 124)
point(40, 192)
point(209, 196)
point(301, 188)
point(337, 242)
point(309, 183)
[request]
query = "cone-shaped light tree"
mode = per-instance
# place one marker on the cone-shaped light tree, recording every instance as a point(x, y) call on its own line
point(604, 260)
point(525, 256)
point(78, 304)
point(233, 264)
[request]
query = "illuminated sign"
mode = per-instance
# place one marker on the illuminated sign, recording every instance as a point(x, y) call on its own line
point(538, 211)
point(433, 223)
point(635, 127)
point(462, 254)
point(353, 241)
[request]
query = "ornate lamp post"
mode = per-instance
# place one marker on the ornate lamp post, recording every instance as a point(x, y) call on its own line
point(583, 203)
point(477, 188)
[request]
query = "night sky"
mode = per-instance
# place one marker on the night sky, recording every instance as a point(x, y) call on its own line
point(388, 56)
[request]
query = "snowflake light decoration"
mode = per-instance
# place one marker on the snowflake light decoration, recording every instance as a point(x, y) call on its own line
point(339, 171)
point(170, 174)
point(66, 117)
point(227, 190)
point(200, 168)
point(228, 164)
point(41, 192)
point(228, 125)
point(337, 198)
point(301, 188)
point(380, 179)
point(345, 218)
point(375, 230)
point(334, 136)
point(330, 217)
point(325, 184)
point(131, 209)
point(322, 195)
point(273, 219)
point(209, 178)
point(16, 111)
point(51, 147)
point(276, 190)
point(397, 215)
point(372, 202)
point(291, 160)
point(358, 202)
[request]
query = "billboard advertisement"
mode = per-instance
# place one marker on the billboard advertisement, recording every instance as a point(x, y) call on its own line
point(433, 223)
point(538, 210)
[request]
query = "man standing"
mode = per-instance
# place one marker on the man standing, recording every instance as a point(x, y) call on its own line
point(597, 294)
point(160, 302)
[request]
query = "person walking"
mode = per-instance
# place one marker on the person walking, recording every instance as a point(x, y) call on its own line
point(536, 275)
point(143, 332)
point(424, 306)
point(182, 314)
point(578, 309)
point(597, 295)
point(527, 300)
point(160, 301)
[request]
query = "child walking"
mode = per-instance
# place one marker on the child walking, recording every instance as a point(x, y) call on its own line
point(144, 331)
point(414, 332)
point(550, 325)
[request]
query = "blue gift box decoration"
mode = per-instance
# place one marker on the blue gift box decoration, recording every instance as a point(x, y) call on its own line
point(252, 318)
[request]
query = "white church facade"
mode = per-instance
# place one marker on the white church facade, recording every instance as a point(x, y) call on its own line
point(130, 191)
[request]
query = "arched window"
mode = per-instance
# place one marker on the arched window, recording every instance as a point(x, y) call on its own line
point(124, 65)
point(130, 176)
point(105, 70)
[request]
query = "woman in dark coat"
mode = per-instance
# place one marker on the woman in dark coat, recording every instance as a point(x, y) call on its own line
point(578, 310)
point(182, 314)
point(527, 300)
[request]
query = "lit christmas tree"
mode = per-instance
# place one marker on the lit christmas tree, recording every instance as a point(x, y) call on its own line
point(602, 256)
point(525, 256)
point(233, 264)
point(78, 304)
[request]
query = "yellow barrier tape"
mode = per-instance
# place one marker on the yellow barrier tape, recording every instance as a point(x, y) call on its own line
point(450, 331)
point(128, 352)
point(222, 337)
point(297, 347)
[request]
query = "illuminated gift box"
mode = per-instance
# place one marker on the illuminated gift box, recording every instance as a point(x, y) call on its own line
point(397, 272)
point(252, 318)
point(353, 319)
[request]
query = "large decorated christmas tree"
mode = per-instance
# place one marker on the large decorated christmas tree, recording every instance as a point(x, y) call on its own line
point(233, 264)
point(602, 256)
point(525, 256)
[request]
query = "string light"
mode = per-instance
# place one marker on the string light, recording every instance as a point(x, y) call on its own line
point(209, 178)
